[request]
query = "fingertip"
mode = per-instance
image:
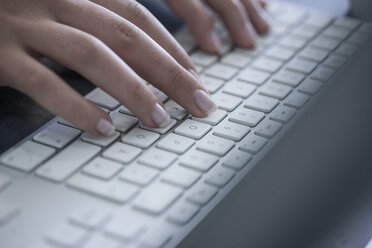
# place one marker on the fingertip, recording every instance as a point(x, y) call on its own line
point(105, 126)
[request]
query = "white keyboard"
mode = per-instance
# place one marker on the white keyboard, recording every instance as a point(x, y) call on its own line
point(149, 187)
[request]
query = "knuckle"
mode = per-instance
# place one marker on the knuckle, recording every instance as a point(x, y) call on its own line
point(37, 81)
point(127, 33)
point(85, 49)
point(178, 77)
point(137, 10)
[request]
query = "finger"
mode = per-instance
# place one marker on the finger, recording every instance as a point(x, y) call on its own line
point(258, 16)
point(87, 55)
point(236, 20)
point(263, 3)
point(142, 18)
point(142, 53)
point(199, 22)
point(35, 80)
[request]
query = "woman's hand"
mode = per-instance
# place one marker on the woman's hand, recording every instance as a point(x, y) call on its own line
point(243, 19)
point(115, 44)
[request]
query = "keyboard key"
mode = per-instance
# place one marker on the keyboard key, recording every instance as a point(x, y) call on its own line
point(347, 22)
point(325, 42)
point(280, 53)
point(175, 143)
point(366, 28)
point(268, 128)
point(253, 76)
point(211, 84)
point(322, 74)
point(282, 114)
point(99, 241)
point(334, 61)
point(5, 181)
point(236, 59)
point(182, 213)
point(215, 145)
point(69, 160)
point(252, 143)
point(162, 130)
point(289, 77)
point(102, 168)
point(180, 176)
point(27, 156)
point(175, 110)
point(300, 65)
point(296, 100)
point(140, 138)
point(157, 198)
point(125, 110)
point(89, 217)
point(310, 86)
point(267, 64)
point(261, 103)
point(314, 54)
point(219, 176)
point(193, 129)
point(122, 152)
point(185, 39)
point(8, 211)
point(126, 227)
point(346, 50)
point(275, 90)
point(226, 102)
point(117, 191)
point(157, 158)
point(293, 41)
point(201, 194)
point(198, 160)
point(221, 71)
point(213, 118)
point(156, 238)
point(306, 31)
point(138, 174)
point(337, 32)
point(318, 20)
point(158, 93)
point(57, 135)
point(100, 140)
point(231, 130)
point(203, 59)
point(102, 99)
point(239, 88)
point(68, 236)
point(246, 116)
point(123, 122)
point(236, 159)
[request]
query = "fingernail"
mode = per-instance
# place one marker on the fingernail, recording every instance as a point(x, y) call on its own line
point(216, 42)
point(195, 74)
point(105, 127)
point(204, 102)
point(160, 116)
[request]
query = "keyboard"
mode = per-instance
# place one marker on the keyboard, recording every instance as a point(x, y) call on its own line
point(150, 187)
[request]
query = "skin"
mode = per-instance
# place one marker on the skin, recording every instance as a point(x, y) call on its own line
point(116, 45)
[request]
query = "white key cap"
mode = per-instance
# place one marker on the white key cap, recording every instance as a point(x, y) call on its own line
point(310, 86)
point(337, 32)
point(219, 176)
point(253, 76)
point(57, 135)
point(346, 50)
point(250, 53)
point(211, 84)
point(267, 64)
point(201, 194)
point(68, 236)
point(213, 118)
point(126, 227)
point(252, 143)
point(322, 74)
point(282, 114)
point(261, 103)
point(125, 110)
point(68, 161)
point(193, 129)
point(231, 130)
point(198, 160)
point(123, 122)
point(239, 88)
point(175, 143)
point(199, 69)
point(27, 156)
point(301, 65)
point(246, 116)
point(275, 90)
point(236, 59)
point(122, 152)
point(100, 140)
point(280, 52)
point(203, 59)
point(313, 53)
point(175, 110)
point(289, 77)
point(4, 181)
point(221, 71)
point(293, 41)
point(292, 16)
point(161, 130)
point(215, 145)
point(102, 168)
point(306, 31)
point(236, 159)
point(159, 94)
point(66, 123)
point(156, 238)
point(140, 138)
point(347, 22)
point(138, 174)
point(226, 102)
point(8, 211)
point(89, 217)
point(116, 191)
point(157, 198)
point(296, 100)
point(268, 128)
point(366, 28)
point(180, 176)
point(319, 20)
point(334, 61)
point(182, 213)
point(99, 241)
point(325, 42)
point(157, 158)
point(102, 99)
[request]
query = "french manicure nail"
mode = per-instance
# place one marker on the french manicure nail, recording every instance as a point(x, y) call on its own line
point(216, 42)
point(105, 127)
point(204, 102)
point(160, 116)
